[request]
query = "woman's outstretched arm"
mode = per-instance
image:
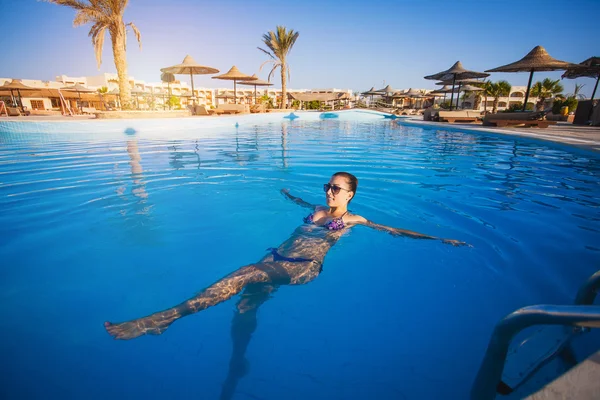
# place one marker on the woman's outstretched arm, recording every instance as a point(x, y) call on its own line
point(403, 232)
point(297, 200)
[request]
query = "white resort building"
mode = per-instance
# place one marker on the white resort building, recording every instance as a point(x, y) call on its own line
point(102, 94)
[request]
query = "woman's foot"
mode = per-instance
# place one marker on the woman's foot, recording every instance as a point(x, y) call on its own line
point(138, 327)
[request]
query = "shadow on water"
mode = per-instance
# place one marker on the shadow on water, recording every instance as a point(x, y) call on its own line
point(243, 325)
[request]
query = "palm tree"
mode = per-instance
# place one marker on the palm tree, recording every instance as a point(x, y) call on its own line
point(576, 91)
point(497, 90)
point(101, 91)
point(280, 43)
point(106, 15)
point(547, 89)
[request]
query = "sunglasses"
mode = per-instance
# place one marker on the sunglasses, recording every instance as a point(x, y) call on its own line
point(334, 188)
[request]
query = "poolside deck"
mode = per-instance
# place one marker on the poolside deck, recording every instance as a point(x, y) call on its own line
point(581, 136)
point(581, 383)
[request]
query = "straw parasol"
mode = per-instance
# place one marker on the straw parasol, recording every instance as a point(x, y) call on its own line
point(79, 88)
point(16, 85)
point(537, 59)
point(443, 90)
point(235, 75)
point(168, 78)
point(255, 82)
point(589, 68)
point(462, 81)
point(371, 92)
point(456, 72)
point(137, 93)
point(189, 66)
point(387, 91)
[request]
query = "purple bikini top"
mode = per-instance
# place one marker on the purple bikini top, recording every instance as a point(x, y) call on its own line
point(334, 225)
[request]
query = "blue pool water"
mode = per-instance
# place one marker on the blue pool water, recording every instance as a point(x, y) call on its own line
point(115, 220)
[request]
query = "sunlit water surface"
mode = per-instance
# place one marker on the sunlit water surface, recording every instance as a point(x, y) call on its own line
point(114, 225)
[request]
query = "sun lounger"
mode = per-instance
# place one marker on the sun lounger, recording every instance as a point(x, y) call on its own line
point(460, 116)
point(233, 108)
point(88, 110)
point(518, 118)
point(258, 108)
point(13, 111)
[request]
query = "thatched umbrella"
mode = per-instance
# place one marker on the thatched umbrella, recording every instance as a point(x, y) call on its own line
point(255, 82)
point(414, 94)
point(189, 66)
point(137, 92)
point(387, 92)
point(371, 92)
point(467, 88)
point(18, 86)
point(589, 68)
point(456, 72)
point(460, 81)
point(79, 89)
point(537, 59)
point(168, 78)
point(115, 92)
point(235, 75)
point(445, 90)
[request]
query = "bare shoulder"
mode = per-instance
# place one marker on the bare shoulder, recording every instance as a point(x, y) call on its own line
point(355, 219)
point(320, 209)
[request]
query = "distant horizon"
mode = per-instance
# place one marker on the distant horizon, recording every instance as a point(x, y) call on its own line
point(345, 45)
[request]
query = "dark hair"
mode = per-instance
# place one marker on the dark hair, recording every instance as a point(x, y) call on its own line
point(352, 181)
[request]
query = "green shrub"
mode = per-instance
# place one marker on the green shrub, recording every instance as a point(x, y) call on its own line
point(514, 107)
point(558, 103)
point(312, 105)
point(571, 102)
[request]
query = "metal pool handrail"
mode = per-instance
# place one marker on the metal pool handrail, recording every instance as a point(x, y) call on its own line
point(580, 315)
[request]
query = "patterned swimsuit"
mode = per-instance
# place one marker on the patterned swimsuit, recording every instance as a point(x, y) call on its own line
point(334, 225)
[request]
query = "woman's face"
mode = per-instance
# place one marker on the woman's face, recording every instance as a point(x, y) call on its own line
point(343, 195)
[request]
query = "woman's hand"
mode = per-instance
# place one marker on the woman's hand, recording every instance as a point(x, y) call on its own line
point(456, 243)
point(285, 191)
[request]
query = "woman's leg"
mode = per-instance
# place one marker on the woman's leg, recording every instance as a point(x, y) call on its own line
point(157, 323)
point(243, 326)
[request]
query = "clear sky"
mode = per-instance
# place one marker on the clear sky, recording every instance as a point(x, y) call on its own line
point(342, 44)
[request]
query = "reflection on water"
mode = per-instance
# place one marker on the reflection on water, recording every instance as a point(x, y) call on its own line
point(179, 158)
point(138, 185)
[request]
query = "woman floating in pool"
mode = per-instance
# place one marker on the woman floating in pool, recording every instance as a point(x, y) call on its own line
point(296, 261)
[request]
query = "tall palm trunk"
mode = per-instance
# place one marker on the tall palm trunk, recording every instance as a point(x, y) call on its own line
point(283, 87)
point(495, 105)
point(118, 45)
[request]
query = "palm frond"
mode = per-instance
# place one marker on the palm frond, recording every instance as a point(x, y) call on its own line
point(273, 71)
point(87, 15)
point(266, 52)
point(136, 32)
point(76, 4)
point(98, 41)
point(265, 63)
